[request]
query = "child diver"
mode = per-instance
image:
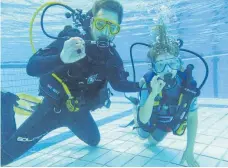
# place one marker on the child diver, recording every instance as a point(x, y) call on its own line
point(158, 104)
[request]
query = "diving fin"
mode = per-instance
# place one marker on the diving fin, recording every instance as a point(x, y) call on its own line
point(30, 98)
point(26, 104)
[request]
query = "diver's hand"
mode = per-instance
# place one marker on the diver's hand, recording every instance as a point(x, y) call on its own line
point(188, 156)
point(157, 85)
point(73, 50)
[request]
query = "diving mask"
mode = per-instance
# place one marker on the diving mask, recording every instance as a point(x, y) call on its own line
point(100, 24)
point(173, 63)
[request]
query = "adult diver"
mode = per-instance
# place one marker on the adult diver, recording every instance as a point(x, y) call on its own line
point(74, 73)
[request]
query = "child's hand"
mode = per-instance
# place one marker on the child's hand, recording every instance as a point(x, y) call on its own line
point(157, 85)
point(188, 156)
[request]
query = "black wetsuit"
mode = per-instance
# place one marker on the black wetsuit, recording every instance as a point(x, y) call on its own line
point(86, 79)
point(8, 124)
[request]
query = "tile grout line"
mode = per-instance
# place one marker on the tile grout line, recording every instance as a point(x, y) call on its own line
point(163, 149)
point(221, 159)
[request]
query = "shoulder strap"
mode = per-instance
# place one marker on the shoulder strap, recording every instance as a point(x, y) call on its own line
point(188, 93)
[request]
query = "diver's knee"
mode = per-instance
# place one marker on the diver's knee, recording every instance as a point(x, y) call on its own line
point(157, 136)
point(142, 134)
point(95, 140)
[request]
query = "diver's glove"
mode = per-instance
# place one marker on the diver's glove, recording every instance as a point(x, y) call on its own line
point(73, 50)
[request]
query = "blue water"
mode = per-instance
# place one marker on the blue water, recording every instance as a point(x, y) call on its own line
point(203, 25)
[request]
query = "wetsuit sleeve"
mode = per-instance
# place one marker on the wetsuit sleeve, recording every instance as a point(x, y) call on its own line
point(117, 76)
point(8, 123)
point(45, 60)
point(48, 59)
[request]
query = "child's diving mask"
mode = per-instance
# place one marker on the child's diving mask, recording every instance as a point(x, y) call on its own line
point(173, 63)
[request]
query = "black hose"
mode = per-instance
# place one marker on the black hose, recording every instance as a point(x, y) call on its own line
point(42, 19)
point(87, 42)
point(132, 61)
point(133, 100)
point(181, 43)
point(205, 64)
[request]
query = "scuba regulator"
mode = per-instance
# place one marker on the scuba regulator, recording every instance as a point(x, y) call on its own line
point(81, 23)
point(180, 44)
point(189, 91)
